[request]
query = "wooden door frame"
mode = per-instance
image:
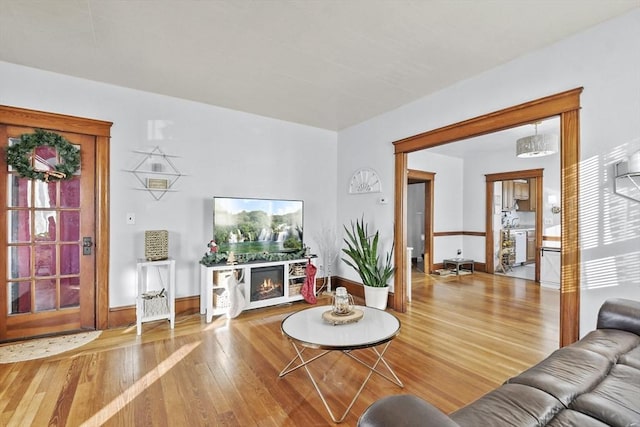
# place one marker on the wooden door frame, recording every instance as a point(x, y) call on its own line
point(416, 176)
point(509, 176)
point(566, 105)
point(101, 130)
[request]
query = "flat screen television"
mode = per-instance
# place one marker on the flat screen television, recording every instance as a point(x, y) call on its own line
point(249, 225)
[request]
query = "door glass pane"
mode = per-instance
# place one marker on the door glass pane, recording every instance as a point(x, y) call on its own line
point(70, 226)
point(46, 294)
point(19, 297)
point(19, 262)
point(69, 292)
point(70, 193)
point(69, 259)
point(45, 194)
point(11, 142)
point(46, 158)
point(45, 260)
point(45, 224)
point(19, 226)
point(18, 192)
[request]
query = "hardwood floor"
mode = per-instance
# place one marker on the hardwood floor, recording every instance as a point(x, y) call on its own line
point(460, 338)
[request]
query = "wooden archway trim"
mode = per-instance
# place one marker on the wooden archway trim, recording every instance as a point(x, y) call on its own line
point(567, 106)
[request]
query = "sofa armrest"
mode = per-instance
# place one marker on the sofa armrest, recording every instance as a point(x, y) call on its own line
point(404, 410)
point(618, 313)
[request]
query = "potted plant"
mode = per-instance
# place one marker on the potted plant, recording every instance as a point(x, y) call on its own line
point(362, 249)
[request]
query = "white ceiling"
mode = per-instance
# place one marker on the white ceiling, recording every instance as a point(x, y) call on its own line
point(329, 64)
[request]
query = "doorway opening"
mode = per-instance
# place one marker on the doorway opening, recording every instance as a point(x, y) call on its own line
point(420, 219)
point(566, 105)
point(514, 223)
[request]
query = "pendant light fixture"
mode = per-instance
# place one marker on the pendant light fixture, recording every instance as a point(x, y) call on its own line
point(537, 145)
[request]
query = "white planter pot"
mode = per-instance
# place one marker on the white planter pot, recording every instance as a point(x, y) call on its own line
point(376, 297)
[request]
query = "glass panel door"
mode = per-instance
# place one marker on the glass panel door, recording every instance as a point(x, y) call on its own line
point(47, 277)
point(45, 240)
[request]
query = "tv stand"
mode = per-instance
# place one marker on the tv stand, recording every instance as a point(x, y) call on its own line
point(279, 282)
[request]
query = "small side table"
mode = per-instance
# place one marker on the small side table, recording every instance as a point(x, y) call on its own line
point(157, 308)
point(458, 262)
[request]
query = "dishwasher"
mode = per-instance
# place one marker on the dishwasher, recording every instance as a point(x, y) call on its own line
point(520, 241)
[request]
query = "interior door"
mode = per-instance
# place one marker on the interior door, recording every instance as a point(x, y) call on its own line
point(48, 280)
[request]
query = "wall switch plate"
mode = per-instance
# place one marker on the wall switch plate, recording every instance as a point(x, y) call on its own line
point(131, 218)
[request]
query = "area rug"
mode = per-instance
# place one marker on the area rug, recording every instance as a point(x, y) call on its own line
point(44, 347)
point(442, 274)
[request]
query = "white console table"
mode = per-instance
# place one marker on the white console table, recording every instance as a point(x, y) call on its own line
point(214, 280)
point(158, 308)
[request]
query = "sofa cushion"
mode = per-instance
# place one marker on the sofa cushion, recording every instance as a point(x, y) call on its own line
point(610, 343)
point(619, 313)
point(631, 358)
point(403, 410)
point(508, 406)
point(616, 400)
point(570, 418)
point(566, 373)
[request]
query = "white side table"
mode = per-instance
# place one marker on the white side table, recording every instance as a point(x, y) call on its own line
point(158, 308)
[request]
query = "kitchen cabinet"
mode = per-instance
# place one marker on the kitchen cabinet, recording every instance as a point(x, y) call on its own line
point(531, 246)
point(521, 190)
point(507, 195)
point(529, 204)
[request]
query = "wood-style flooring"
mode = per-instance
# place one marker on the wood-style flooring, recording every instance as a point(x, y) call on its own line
point(461, 337)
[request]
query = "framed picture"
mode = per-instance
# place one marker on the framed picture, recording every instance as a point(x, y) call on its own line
point(157, 184)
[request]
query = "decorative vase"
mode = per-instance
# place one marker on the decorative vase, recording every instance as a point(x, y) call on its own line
point(376, 297)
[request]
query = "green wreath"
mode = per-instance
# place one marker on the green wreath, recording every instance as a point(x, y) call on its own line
point(19, 156)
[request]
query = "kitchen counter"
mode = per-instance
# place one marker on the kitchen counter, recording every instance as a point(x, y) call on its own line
point(523, 228)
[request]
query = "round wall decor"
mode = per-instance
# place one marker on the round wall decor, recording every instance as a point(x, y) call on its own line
point(364, 180)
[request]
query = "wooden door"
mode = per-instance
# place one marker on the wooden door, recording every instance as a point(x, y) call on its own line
point(48, 281)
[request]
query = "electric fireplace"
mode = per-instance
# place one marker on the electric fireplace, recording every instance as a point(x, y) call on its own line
point(267, 282)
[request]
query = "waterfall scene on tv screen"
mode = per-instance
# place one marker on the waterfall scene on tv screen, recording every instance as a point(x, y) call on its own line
point(244, 225)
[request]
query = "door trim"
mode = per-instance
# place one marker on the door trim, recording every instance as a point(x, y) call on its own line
point(101, 130)
point(417, 176)
point(567, 106)
point(492, 178)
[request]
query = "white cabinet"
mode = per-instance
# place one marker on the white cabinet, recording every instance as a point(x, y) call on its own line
point(550, 267)
point(263, 284)
point(156, 296)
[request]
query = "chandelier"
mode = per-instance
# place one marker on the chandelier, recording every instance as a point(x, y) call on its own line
point(537, 145)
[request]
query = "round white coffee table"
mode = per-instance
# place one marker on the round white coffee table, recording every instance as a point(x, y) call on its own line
point(307, 329)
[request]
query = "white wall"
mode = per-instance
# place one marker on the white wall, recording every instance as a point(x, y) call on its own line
point(606, 62)
point(223, 152)
point(448, 200)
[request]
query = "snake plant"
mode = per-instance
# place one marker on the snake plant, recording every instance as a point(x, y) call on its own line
point(362, 249)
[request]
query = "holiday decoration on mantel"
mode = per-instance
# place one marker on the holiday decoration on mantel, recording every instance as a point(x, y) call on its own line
point(213, 257)
point(22, 156)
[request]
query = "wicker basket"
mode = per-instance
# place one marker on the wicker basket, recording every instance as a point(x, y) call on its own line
point(221, 300)
point(297, 270)
point(155, 306)
point(294, 289)
point(156, 245)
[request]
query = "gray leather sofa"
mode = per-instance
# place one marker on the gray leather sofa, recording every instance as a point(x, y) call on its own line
point(594, 382)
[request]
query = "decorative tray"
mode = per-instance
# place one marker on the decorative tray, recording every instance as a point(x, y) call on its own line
point(342, 319)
